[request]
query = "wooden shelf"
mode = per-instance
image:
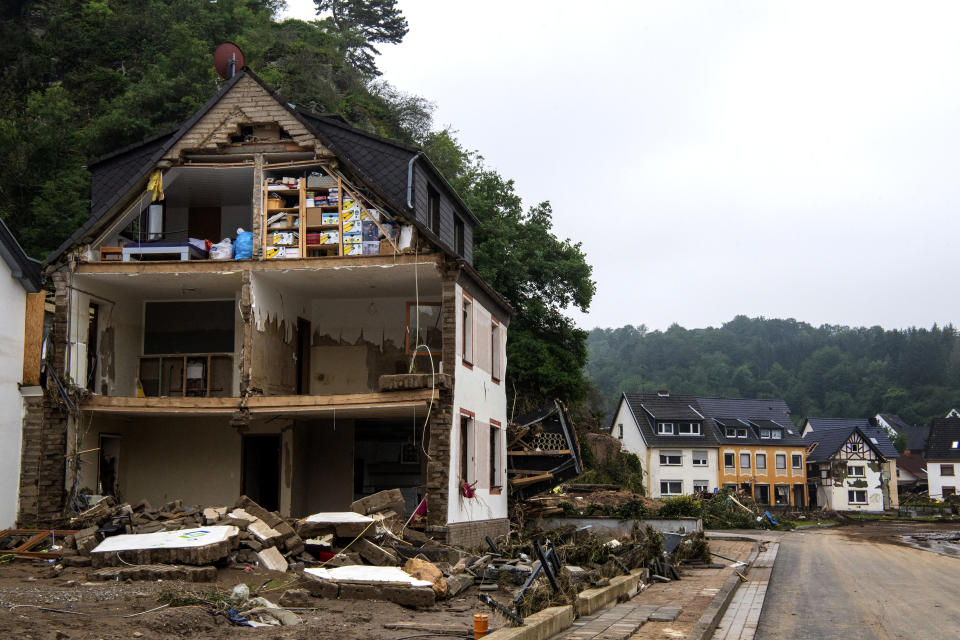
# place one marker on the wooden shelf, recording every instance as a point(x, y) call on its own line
point(327, 227)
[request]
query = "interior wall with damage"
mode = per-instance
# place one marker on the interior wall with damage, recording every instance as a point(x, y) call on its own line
point(323, 471)
point(120, 327)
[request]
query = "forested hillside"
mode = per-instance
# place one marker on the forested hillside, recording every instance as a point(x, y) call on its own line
point(81, 78)
point(820, 371)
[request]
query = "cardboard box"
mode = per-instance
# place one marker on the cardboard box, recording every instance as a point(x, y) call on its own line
point(350, 216)
point(366, 214)
point(352, 238)
point(330, 218)
point(371, 248)
point(314, 182)
point(283, 238)
point(283, 252)
point(352, 226)
point(329, 237)
point(353, 249)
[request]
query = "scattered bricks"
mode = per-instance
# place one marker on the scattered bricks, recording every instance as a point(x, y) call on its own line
point(423, 570)
point(415, 537)
point(318, 587)
point(297, 598)
point(175, 505)
point(212, 515)
point(243, 514)
point(149, 528)
point(665, 614)
point(266, 535)
point(272, 519)
point(272, 559)
point(294, 546)
point(391, 500)
point(142, 507)
point(252, 544)
point(375, 554)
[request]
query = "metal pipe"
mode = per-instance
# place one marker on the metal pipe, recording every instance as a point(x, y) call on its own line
point(410, 179)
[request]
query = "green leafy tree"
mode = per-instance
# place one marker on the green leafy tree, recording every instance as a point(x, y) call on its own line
point(363, 23)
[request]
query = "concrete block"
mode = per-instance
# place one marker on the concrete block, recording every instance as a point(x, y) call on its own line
point(319, 587)
point(540, 626)
point(391, 500)
point(410, 596)
point(374, 553)
point(272, 559)
point(349, 591)
point(297, 598)
point(212, 515)
point(264, 534)
point(458, 583)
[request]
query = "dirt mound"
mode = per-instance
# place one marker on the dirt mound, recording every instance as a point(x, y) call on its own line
point(607, 498)
point(182, 622)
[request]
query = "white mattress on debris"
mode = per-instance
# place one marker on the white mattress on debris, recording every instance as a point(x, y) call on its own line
point(363, 573)
point(182, 539)
point(338, 517)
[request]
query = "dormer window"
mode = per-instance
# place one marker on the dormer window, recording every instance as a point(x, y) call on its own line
point(665, 428)
point(771, 434)
point(765, 434)
point(688, 428)
point(735, 432)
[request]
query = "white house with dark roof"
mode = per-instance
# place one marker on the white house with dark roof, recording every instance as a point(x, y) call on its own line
point(674, 441)
point(943, 458)
point(851, 465)
point(19, 360)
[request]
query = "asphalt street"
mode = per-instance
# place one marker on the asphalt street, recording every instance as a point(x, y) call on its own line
point(856, 583)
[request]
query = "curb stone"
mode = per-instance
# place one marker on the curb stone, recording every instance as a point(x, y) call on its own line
point(718, 606)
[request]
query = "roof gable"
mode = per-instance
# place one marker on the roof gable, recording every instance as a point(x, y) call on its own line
point(832, 433)
point(22, 267)
point(943, 433)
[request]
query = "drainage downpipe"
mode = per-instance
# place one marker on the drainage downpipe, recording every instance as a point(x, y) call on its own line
point(410, 179)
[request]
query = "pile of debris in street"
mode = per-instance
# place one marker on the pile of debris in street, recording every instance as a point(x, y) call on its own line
point(365, 553)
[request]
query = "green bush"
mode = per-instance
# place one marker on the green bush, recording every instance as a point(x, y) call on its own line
point(681, 507)
point(624, 470)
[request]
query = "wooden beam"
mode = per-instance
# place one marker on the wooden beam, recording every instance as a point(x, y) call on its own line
point(544, 452)
point(233, 266)
point(33, 338)
point(522, 482)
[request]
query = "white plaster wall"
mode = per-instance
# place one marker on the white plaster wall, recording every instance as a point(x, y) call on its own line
point(11, 404)
point(936, 482)
point(686, 472)
point(837, 497)
point(632, 441)
point(476, 391)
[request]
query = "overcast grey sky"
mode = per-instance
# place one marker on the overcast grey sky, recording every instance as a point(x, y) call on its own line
point(716, 158)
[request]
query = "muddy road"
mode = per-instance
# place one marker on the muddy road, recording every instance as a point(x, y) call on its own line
point(862, 583)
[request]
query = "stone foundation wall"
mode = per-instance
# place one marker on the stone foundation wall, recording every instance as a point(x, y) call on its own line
point(471, 534)
point(42, 464)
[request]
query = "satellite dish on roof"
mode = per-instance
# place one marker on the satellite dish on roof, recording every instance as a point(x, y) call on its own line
point(227, 59)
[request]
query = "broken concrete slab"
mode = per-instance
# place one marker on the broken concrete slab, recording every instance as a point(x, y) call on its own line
point(370, 583)
point(344, 524)
point(185, 546)
point(272, 559)
point(297, 598)
point(214, 514)
point(665, 614)
point(264, 534)
point(154, 572)
point(374, 553)
point(458, 583)
point(270, 517)
point(391, 500)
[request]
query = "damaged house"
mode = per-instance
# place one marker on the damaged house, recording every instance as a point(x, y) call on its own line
point(273, 303)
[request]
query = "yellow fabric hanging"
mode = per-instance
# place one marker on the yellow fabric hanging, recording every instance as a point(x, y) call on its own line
point(155, 184)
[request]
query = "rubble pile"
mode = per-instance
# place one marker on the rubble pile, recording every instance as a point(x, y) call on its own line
point(366, 552)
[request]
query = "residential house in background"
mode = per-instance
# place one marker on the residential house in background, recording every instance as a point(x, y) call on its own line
point(21, 331)
point(851, 465)
point(942, 458)
point(271, 302)
point(761, 451)
point(688, 444)
point(911, 467)
point(675, 442)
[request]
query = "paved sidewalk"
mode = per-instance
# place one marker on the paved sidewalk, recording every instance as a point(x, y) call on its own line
point(619, 622)
point(741, 618)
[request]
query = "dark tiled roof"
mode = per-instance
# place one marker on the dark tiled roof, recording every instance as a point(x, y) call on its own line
point(648, 408)
point(943, 433)
point(913, 463)
point(754, 414)
point(832, 433)
point(22, 267)
point(916, 434)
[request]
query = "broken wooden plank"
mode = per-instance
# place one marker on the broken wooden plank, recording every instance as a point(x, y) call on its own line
point(542, 452)
point(522, 482)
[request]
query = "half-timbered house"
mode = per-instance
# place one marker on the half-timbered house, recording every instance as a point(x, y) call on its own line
point(850, 465)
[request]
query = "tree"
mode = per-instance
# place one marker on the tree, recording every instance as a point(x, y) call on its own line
point(361, 23)
point(541, 275)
